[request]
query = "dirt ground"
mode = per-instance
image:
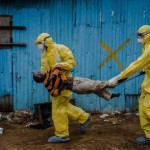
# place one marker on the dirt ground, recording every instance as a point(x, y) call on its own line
point(117, 132)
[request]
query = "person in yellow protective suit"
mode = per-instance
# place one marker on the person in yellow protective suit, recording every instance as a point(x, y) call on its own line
point(143, 62)
point(54, 54)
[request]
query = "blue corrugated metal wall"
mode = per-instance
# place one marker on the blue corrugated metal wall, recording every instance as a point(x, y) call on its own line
point(82, 25)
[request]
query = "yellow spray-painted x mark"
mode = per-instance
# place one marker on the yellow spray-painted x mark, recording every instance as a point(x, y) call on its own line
point(112, 54)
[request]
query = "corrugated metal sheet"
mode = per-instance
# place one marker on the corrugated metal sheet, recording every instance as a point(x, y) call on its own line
point(82, 25)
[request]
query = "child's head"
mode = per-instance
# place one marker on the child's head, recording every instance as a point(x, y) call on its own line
point(39, 77)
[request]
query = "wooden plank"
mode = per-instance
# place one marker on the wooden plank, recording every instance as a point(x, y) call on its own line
point(6, 35)
point(12, 27)
point(12, 44)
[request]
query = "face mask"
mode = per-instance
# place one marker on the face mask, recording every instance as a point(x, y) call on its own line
point(140, 40)
point(40, 46)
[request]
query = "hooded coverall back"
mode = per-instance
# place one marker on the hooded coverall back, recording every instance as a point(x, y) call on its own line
point(143, 62)
point(61, 108)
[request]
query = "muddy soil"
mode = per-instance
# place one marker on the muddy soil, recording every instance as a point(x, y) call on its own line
point(115, 133)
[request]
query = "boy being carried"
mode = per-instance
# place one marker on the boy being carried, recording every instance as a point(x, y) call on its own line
point(55, 81)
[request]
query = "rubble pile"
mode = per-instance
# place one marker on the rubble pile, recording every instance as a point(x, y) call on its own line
point(114, 117)
point(19, 116)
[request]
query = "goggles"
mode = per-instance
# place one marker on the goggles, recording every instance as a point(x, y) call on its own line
point(141, 35)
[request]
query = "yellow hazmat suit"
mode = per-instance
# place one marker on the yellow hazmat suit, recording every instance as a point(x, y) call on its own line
point(143, 62)
point(61, 108)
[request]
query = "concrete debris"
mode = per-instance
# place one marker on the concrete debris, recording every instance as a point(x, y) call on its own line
point(1, 130)
point(19, 116)
point(116, 113)
point(127, 114)
point(0, 116)
point(137, 114)
point(6, 116)
point(23, 113)
point(104, 116)
point(106, 120)
point(29, 124)
point(114, 121)
point(18, 120)
point(38, 125)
